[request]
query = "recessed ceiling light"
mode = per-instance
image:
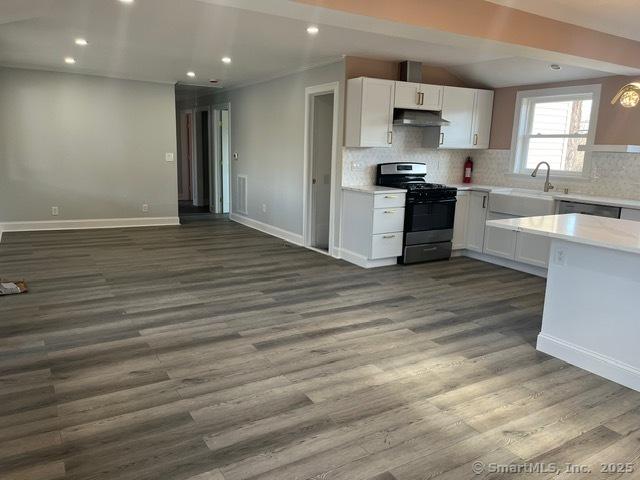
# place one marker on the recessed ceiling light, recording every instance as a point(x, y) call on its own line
point(226, 60)
point(555, 66)
point(313, 30)
point(191, 74)
point(126, 1)
point(82, 42)
point(69, 60)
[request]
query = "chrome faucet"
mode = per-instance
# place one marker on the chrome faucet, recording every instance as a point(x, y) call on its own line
point(547, 184)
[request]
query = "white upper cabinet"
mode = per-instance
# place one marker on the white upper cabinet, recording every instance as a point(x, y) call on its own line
point(369, 117)
point(469, 112)
point(482, 115)
point(418, 96)
point(370, 104)
point(457, 108)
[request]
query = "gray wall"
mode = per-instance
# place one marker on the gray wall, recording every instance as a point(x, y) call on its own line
point(267, 132)
point(94, 147)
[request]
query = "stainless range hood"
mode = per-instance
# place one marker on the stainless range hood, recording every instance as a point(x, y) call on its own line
point(412, 72)
point(430, 121)
point(418, 118)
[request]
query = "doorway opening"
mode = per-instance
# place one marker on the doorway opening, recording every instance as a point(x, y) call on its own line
point(195, 180)
point(203, 153)
point(321, 143)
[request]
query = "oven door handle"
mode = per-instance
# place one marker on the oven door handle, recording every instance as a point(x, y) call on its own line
point(450, 200)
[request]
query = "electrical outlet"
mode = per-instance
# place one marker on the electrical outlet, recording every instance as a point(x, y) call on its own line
point(264, 208)
point(145, 208)
point(356, 166)
point(55, 211)
point(560, 257)
point(168, 157)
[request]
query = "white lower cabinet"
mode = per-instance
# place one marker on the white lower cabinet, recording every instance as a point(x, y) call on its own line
point(478, 202)
point(460, 222)
point(500, 242)
point(387, 220)
point(372, 226)
point(470, 231)
point(533, 249)
point(386, 245)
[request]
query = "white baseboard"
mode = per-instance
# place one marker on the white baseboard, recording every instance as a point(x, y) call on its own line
point(364, 262)
point(503, 262)
point(87, 224)
point(290, 237)
point(590, 361)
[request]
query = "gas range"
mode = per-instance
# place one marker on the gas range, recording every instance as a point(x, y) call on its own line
point(429, 211)
point(426, 192)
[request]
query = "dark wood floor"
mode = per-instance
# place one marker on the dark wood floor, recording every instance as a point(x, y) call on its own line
point(214, 352)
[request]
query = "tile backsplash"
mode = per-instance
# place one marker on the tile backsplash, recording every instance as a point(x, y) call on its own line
point(612, 174)
point(443, 166)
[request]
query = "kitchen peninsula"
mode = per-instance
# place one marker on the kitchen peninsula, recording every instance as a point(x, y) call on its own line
point(591, 313)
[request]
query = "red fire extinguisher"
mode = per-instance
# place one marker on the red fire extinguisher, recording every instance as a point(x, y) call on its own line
point(468, 168)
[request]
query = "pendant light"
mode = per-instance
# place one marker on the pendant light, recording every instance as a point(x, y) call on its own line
point(628, 96)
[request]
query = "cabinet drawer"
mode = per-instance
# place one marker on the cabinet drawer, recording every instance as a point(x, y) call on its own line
point(386, 245)
point(386, 200)
point(387, 220)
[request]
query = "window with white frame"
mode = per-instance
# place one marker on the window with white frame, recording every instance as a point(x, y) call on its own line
point(553, 126)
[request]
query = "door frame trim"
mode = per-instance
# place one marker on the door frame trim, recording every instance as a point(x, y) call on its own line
point(216, 110)
point(181, 145)
point(307, 200)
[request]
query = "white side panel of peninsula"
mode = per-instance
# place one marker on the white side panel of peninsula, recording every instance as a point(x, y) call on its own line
point(591, 313)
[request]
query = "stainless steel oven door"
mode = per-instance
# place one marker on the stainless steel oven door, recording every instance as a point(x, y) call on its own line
point(430, 222)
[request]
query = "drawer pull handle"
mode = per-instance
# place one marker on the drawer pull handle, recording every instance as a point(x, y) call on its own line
point(388, 236)
point(388, 211)
point(390, 196)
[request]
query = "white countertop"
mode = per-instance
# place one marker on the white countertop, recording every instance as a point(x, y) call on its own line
point(569, 197)
point(375, 189)
point(623, 235)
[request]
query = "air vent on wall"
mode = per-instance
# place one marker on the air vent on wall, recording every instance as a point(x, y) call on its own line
point(241, 194)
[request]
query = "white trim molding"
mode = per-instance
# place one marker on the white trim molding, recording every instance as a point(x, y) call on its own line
point(290, 237)
point(503, 262)
point(591, 361)
point(87, 224)
point(523, 121)
point(307, 200)
point(364, 262)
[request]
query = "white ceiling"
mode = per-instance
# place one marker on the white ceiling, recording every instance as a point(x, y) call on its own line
point(160, 40)
point(617, 17)
point(506, 72)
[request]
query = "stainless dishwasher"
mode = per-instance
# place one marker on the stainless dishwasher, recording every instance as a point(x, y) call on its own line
point(589, 209)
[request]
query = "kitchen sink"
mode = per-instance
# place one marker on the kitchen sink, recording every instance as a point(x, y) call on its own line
point(521, 202)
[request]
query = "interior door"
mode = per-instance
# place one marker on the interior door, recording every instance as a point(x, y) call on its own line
point(322, 148)
point(457, 108)
point(186, 146)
